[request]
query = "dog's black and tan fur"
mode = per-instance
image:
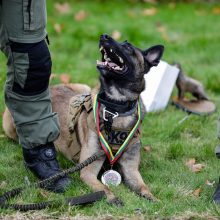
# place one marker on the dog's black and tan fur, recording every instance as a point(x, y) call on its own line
point(122, 70)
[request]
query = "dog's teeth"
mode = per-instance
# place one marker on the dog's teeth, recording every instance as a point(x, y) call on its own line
point(117, 68)
point(101, 48)
point(121, 60)
point(111, 50)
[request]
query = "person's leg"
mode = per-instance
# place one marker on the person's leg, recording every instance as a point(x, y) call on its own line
point(22, 34)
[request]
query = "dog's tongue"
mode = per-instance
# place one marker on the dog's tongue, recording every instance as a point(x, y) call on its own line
point(112, 64)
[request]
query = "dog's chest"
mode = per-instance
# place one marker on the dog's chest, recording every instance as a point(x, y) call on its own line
point(120, 129)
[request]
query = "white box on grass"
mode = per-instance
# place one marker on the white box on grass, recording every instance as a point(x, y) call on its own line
point(159, 85)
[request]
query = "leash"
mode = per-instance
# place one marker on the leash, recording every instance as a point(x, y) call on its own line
point(81, 200)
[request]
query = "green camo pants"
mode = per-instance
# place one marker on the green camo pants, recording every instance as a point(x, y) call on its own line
point(22, 34)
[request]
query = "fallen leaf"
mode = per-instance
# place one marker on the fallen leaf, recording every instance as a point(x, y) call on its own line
point(58, 28)
point(149, 11)
point(216, 10)
point(190, 162)
point(3, 184)
point(195, 168)
point(62, 8)
point(131, 13)
point(44, 193)
point(80, 16)
point(147, 149)
point(162, 29)
point(65, 78)
point(151, 1)
point(197, 192)
point(116, 35)
point(172, 5)
point(208, 183)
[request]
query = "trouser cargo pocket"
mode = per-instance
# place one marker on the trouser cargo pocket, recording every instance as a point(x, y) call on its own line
point(34, 14)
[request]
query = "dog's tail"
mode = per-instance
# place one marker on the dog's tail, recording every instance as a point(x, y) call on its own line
point(8, 125)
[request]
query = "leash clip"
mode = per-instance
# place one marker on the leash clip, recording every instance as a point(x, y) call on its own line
point(111, 113)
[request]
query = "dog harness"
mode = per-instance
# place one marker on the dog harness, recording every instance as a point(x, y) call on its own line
point(105, 146)
point(113, 140)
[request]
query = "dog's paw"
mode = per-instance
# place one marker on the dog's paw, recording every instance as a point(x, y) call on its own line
point(116, 201)
point(149, 197)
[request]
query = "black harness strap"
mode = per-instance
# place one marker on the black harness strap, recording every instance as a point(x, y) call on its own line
point(116, 106)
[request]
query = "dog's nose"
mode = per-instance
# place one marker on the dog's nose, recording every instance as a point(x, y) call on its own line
point(104, 37)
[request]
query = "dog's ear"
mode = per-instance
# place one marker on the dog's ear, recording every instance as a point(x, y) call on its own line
point(153, 54)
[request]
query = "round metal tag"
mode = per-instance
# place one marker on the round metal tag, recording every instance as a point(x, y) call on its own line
point(111, 177)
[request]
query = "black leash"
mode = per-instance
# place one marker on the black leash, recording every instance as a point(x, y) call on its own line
point(81, 200)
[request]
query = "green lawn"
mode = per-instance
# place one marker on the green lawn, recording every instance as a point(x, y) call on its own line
point(190, 34)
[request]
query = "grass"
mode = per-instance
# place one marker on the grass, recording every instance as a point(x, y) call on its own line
point(190, 33)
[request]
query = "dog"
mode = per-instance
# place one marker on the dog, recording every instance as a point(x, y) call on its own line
point(122, 69)
point(187, 84)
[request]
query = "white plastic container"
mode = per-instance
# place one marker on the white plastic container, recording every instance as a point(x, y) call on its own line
point(159, 85)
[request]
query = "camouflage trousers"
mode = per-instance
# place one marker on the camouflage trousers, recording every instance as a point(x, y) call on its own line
point(22, 40)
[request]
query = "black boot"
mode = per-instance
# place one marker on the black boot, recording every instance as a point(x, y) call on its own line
point(216, 195)
point(43, 163)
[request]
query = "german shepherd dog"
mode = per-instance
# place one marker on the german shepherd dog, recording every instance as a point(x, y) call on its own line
point(122, 69)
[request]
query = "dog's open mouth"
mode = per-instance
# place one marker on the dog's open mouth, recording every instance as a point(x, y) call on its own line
point(111, 60)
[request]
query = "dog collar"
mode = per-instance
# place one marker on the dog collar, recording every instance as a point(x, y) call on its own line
point(124, 108)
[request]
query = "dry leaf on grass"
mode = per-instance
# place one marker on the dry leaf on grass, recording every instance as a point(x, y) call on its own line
point(62, 8)
point(149, 11)
point(65, 78)
point(151, 1)
point(80, 16)
point(116, 35)
point(172, 5)
point(162, 29)
point(58, 28)
point(216, 10)
point(208, 183)
point(131, 13)
point(44, 193)
point(195, 168)
point(3, 184)
point(197, 192)
point(147, 149)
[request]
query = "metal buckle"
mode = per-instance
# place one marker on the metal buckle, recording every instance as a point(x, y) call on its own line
point(106, 111)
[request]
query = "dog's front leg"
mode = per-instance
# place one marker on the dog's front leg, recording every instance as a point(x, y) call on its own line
point(89, 174)
point(129, 163)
